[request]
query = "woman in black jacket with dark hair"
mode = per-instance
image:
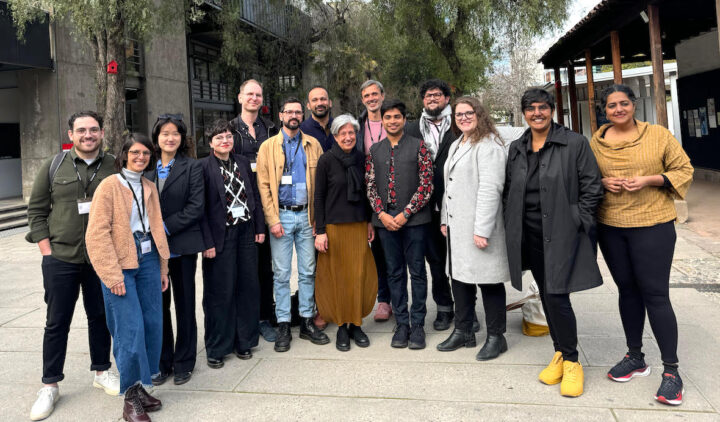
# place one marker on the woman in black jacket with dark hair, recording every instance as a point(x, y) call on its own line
point(552, 191)
point(182, 192)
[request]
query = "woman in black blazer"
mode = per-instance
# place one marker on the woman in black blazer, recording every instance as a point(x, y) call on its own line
point(182, 199)
point(233, 223)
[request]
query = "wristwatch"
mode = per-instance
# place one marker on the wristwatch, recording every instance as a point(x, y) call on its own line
point(406, 214)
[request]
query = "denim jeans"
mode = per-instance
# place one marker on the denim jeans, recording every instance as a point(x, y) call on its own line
point(405, 248)
point(298, 231)
point(135, 320)
point(63, 282)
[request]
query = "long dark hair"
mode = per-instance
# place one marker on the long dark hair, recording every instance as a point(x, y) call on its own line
point(176, 119)
point(485, 124)
point(128, 141)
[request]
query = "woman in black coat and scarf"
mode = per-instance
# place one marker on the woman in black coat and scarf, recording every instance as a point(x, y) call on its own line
point(552, 191)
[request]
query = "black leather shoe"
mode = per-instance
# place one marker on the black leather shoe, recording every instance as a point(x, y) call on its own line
point(361, 339)
point(215, 363)
point(457, 339)
point(401, 336)
point(159, 379)
point(443, 320)
point(182, 378)
point(343, 339)
point(494, 345)
point(244, 354)
point(308, 331)
point(417, 338)
point(282, 343)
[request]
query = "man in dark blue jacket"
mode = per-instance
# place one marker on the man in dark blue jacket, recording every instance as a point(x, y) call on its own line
point(318, 124)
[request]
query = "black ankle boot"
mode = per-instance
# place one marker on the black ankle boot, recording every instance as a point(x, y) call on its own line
point(343, 339)
point(494, 345)
point(357, 334)
point(458, 338)
point(308, 331)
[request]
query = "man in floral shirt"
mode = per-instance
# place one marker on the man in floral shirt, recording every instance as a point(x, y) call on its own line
point(399, 177)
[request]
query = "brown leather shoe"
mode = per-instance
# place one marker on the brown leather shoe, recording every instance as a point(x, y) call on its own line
point(149, 403)
point(320, 323)
point(133, 410)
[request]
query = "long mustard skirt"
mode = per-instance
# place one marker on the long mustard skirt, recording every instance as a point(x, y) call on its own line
point(346, 277)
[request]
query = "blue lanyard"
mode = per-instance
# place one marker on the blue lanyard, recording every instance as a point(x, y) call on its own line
point(288, 169)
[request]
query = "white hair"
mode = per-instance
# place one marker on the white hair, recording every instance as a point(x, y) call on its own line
point(341, 121)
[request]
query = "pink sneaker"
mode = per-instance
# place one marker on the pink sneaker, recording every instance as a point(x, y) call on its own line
point(319, 322)
point(383, 312)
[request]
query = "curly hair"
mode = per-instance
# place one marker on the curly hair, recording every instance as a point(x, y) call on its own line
point(485, 125)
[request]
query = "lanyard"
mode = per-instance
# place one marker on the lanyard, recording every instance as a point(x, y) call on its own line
point(369, 128)
point(141, 210)
point(290, 168)
point(77, 172)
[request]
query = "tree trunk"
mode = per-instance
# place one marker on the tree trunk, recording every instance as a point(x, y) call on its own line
point(115, 96)
point(100, 53)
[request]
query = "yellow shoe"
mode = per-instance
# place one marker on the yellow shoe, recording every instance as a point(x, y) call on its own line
point(553, 373)
point(572, 380)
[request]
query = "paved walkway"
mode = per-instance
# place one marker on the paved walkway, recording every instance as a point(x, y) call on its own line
point(320, 383)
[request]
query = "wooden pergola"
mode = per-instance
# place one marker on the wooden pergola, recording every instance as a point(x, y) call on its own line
point(627, 31)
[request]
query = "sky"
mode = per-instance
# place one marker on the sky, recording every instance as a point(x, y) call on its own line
point(578, 10)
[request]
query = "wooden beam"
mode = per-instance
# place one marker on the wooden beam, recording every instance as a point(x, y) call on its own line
point(572, 90)
point(591, 90)
point(657, 64)
point(617, 62)
point(559, 97)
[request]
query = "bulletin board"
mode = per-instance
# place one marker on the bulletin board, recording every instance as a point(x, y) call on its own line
point(699, 101)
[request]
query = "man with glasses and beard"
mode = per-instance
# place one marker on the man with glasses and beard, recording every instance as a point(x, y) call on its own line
point(318, 124)
point(435, 129)
point(286, 180)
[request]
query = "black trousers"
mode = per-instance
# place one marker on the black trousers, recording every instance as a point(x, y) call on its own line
point(265, 277)
point(231, 294)
point(493, 297)
point(558, 309)
point(379, 256)
point(62, 282)
point(640, 260)
point(436, 255)
point(179, 354)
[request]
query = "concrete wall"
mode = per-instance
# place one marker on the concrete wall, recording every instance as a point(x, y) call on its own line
point(698, 55)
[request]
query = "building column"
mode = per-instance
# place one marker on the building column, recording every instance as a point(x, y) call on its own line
point(591, 90)
point(559, 97)
point(572, 90)
point(657, 64)
point(617, 62)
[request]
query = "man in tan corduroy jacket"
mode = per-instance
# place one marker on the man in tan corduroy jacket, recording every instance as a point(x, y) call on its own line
point(286, 181)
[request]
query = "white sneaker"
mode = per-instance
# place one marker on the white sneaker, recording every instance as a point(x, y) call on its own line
point(45, 403)
point(108, 381)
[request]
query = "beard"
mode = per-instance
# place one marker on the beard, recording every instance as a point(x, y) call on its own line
point(320, 113)
point(292, 124)
point(435, 112)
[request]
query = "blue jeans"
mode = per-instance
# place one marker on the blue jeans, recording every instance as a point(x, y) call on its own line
point(135, 320)
point(298, 231)
point(405, 248)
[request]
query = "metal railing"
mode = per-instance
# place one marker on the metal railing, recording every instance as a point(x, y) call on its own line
point(272, 16)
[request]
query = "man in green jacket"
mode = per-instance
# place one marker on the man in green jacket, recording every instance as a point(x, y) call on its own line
point(58, 216)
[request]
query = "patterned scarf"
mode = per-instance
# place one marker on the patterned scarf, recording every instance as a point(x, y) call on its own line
point(429, 133)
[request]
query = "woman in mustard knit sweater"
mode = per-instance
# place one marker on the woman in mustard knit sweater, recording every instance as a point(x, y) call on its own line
point(644, 168)
point(127, 246)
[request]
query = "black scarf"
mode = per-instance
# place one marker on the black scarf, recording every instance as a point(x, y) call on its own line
point(353, 164)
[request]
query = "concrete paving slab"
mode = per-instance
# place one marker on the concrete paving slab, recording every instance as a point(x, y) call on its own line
point(208, 379)
point(434, 381)
point(605, 352)
point(623, 415)
point(26, 368)
point(31, 340)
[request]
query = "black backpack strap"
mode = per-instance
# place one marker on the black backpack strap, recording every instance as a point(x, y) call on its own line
point(57, 160)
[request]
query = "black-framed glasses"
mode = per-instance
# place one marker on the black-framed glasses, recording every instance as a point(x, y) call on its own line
point(430, 95)
point(465, 116)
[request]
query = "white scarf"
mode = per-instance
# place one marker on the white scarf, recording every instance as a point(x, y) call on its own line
point(431, 142)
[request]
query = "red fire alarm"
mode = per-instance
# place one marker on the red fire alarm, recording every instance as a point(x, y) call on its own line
point(265, 110)
point(112, 67)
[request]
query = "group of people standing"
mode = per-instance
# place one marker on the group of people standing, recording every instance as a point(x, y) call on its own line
point(363, 202)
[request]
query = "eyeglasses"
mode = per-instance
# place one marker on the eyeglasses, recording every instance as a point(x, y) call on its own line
point(465, 116)
point(293, 113)
point(135, 153)
point(530, 109)
point(93, 130)
point(171, 116)
point(430, 95)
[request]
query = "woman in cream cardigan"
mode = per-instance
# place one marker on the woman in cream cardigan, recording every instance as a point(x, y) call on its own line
point(127, 247)
point(472, 221)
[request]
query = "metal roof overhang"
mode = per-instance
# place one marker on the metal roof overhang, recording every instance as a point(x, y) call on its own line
point(679, 20)
point(34, 52)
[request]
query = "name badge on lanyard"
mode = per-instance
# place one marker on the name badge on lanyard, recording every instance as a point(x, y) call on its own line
point(286, 179)
point(253, 166)
point(84, 205)
point(145, 245)
point(237, 211)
